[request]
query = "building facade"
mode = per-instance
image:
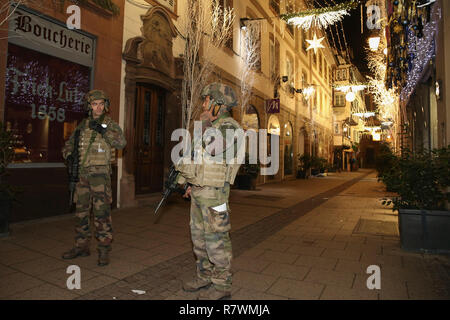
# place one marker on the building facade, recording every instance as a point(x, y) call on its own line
point(45, 71)
point(134, 53)
point(151, 83)
point(349, 111)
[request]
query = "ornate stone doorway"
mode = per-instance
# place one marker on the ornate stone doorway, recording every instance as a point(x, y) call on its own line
point(152, 85)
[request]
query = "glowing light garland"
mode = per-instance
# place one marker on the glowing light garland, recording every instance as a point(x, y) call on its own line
point(322, 20)
point(308, 92)
point(319, 17)
point(385, 99)
point(354, 88)
point(423, 50)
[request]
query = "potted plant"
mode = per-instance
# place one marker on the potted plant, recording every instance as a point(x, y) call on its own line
point(248, 172)
point(422, 189)
point(322, 164)
point(7, 192)
point(305, 163)
point(318, 165)
point(386, 164)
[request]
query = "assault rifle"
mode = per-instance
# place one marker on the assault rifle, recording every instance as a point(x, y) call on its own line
point(171, 185)
point(73, 162)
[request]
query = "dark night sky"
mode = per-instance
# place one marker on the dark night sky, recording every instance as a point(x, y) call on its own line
point(352, 28)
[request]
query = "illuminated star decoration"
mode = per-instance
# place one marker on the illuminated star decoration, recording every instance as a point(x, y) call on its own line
point(315, 43)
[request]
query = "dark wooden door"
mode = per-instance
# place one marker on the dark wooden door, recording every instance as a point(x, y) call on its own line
point(149, 124)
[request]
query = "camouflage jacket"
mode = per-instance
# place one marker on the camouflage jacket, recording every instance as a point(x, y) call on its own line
point(214, 174)
point(112, 139)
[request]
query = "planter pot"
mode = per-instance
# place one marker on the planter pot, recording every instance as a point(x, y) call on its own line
point(424, 230)
point(301, 174)
point(5, 214)
point(244, 182)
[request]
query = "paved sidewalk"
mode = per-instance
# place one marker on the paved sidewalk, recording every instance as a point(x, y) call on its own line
point(300, 239)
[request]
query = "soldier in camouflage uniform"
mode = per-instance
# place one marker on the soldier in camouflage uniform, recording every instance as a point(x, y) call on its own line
point(209, 191)
point(99, 137)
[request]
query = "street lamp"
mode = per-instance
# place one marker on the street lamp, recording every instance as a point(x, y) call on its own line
point(350, 96)
point(374, 42)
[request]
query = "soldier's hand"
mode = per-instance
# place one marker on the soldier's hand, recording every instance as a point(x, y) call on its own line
point(187, 194)
point(94, 125)
point(206, 115)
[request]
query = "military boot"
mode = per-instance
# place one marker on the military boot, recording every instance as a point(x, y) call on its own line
point(195, 284)
point(76, 252)
point(213, 294)
point(103, 256)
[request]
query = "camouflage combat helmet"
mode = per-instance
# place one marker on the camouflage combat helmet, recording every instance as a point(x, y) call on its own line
point(221, 94)
point(97, 95)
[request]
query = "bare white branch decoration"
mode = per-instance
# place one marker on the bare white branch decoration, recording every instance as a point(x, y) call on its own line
point(207, 27)
point(251, 59)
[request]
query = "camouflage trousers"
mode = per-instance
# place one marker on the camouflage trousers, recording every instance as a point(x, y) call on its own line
point(210, 234)
point(94, 191)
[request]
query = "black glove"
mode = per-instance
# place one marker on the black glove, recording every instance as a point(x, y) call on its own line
point(70, 159)
point(94, 125)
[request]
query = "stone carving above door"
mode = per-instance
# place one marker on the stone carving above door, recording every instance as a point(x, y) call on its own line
point(153, 49)
point(158, 31)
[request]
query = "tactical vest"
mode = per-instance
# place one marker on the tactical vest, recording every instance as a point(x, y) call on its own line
point(216, 174)
point(100, 152)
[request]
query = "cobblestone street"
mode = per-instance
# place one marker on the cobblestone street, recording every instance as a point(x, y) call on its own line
point(299, 239)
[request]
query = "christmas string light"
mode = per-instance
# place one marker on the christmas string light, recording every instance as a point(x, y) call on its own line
point(353, 87)
point(385, 99)
point(319, 17)
point(343, 32)
point(322, 20)
point(422, 50)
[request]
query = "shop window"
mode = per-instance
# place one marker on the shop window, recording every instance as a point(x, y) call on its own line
point(288, 151)
point(250, 119)
point(274, 56)
point(273, 126)
point(290, 27)
point(43, 102)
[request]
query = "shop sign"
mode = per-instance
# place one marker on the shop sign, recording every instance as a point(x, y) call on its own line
point(273, 106)
point(37, 33)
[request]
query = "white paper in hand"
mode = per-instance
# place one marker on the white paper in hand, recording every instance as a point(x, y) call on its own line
point(221, 208)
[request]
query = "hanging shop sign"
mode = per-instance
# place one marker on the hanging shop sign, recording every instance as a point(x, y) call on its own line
point(273, 106)
point(31, 31)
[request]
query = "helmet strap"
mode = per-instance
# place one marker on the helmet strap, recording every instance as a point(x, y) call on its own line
point(211, 103)
point(214, 114)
